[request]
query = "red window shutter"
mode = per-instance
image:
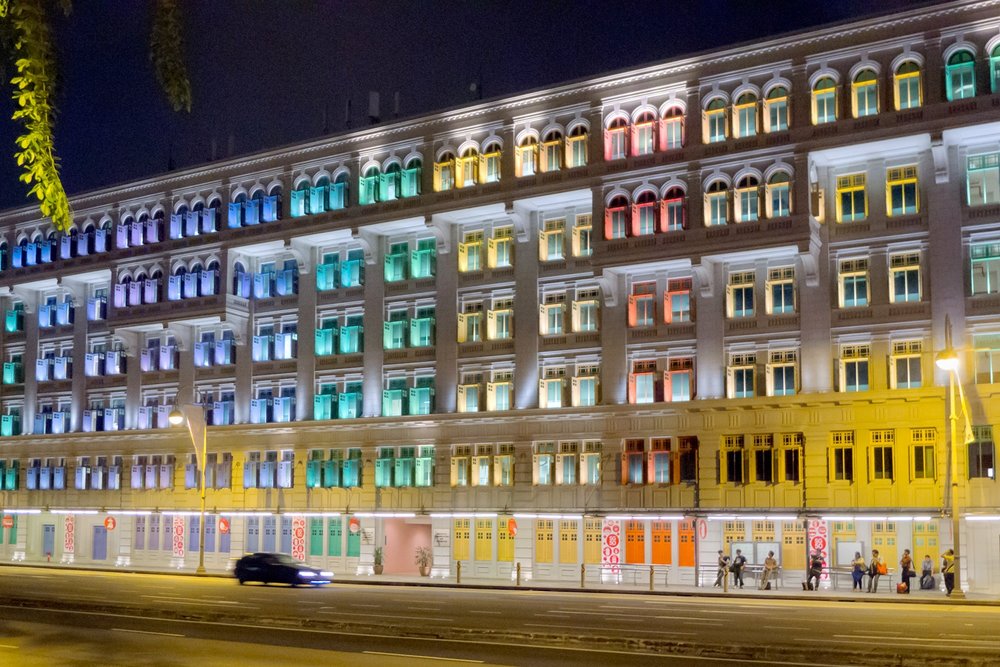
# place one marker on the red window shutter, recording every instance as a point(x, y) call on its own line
point(608, 213)
point(631, 388)
point(666, 383)
point(632, 310)
point(684, 213)
point(635, 142)
point(624, 468)
point(661, 126)
point(607, 145)
point(661, 213)
point(650, 468)
point(634, 215)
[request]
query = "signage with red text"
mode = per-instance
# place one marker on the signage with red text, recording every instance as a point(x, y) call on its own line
point(110, 523)
point(177, 537)
point(818, 538)
point(611, 553)
point(69, 534)
point(299, 538)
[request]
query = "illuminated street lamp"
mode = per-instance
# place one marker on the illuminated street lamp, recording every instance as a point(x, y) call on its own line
point(947, 360)
point(193, 416)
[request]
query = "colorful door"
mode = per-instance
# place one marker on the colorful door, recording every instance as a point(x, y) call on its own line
point(793, 545)
point(505, 541)
point(286, 534)
point(662, 543)
point(635, 542)
point(99, 551)
point(334, 533)
point(253, 534)
point(569, 536)
point(315, 536)
point(461, 549)
point(484, 539)
point(685, 543)
point(270, 528)
point(733, 531)
point(925, 541)
point(884, 539)
point(353, 542)
point(592, 541)
point(48, 539)
point(543, 540)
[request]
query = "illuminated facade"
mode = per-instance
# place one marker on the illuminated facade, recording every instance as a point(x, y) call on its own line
point(696, 303)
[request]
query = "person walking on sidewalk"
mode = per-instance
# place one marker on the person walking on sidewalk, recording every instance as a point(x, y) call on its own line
point(770, 566)
point(739, 563)
point(723, 572)
point(875, 570)
point(948, 570)
point(858, 571)
point(906, 569)
point(815, 570)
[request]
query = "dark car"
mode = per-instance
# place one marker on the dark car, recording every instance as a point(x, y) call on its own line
point(279, 569)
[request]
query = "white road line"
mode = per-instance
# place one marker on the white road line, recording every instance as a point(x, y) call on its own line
point(147, 632)
point(424, 608)
point(412, 618)
point(480, 611)
point(423, 657)
point(601, 627)
point(358, 604)
point(932, 640)
point(10, 646)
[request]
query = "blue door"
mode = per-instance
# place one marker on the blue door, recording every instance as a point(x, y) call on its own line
point(253, 533)
point(269, 531)
point(100, 549)
point(48, 540)
point(286, 535)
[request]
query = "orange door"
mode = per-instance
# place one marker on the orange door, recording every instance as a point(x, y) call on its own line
point(685, 543)
point(635, 542)
point(661, 543)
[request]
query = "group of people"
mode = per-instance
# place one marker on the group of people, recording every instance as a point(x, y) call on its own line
point(860, 568)
point(737, 565)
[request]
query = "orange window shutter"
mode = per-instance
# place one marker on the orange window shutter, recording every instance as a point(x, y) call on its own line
point(607, 145)
point(633, 316)
point(666, 385)
point(662, 133)
point(624, 468)
point(608, 226)
point(635, 143)
point(650, 467)
point(634, 217)
point(631, 388)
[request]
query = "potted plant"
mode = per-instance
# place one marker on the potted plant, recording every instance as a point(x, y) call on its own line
point(378, 560)
point(423, 559)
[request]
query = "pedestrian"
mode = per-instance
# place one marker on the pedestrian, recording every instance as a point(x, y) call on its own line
point(858, 571)
point(948, 570)
point(739, 564)
point(770, 567)
point(906, 569)
point(723, 571)
point(875, 570)
point(927, 573)
point(815, 570)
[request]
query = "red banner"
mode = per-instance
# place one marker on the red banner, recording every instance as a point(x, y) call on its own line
point(178, 537)
point(69, 534)
point(819, 540)
point(611, 553)
point(299, 537)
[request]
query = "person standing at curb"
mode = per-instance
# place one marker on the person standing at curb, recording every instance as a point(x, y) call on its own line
point(906, 569)
point(770, 566)
point(739, 563)
point(927, 573)
point(874, 571)
point(815, 570)
point(858, 571)
point(948, 570)
point(722, 576)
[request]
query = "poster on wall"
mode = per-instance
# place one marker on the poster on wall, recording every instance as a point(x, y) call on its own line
point(299, 538)
point(69, 534)
point(611, 543)
point(178, 537)
point(819, 540)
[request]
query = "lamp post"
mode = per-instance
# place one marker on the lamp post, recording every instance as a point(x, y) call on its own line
point(193, 416)
point(947, 360)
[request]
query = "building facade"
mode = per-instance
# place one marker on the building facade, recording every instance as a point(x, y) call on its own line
point(623, 322)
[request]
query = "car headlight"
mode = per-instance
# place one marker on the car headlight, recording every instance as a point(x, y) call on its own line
point(307, 574)
point(326, 574)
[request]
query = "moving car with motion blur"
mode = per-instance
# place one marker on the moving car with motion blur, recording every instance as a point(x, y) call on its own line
point(269, 568)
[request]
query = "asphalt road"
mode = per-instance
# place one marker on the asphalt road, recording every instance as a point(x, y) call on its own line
point(500, 627)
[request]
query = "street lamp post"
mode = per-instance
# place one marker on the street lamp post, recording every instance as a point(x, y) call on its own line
point(193, 416)
point(947, 360)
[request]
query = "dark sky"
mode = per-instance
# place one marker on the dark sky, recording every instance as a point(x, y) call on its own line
point(263, 72)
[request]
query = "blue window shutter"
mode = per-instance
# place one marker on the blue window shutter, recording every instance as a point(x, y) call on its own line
point(235, 215)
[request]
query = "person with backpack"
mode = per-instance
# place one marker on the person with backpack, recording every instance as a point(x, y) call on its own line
point(858, 571)
point(906, 570)
point(770, 567)
point(927, 573)
point(739, 563)
point(876, 568)
point(815, 570)
point(948, 570)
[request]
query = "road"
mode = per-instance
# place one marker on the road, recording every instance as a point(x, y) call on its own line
point(496, 626)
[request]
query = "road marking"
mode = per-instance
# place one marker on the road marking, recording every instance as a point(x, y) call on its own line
point(412, 618)
point(210, 603)
point(424, 608)
point(933, 640)
point(147, 632)
point(9, 646)
point(357, 604)
point(668, 632)
point(423, 657)
point(480, 611)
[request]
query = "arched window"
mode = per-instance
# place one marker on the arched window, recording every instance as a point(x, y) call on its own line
point(864, 93)
point(673, 217)
point(411, 178)
point(824, 101)
point(551, 151)
point(241, 280)
point(995, 69)
point(672, 129)
point(616, 140)
point(907, 89)
point(644, 214)
point(747, 199)
point(526, 157)
point(576, 147)
point(644, 134)
point(779, 196)
point(960, 76)
point(490, 173)
point(468, 165)
point(300, 198)
point(368, 190)
point(776, 110)
point(715, 121)
point(444, 172)
point(388, 188)
point(745, 115)
point(615, 218)
point(717, 204)
point(339, 192)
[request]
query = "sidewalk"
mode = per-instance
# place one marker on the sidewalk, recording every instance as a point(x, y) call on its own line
point(886, 594)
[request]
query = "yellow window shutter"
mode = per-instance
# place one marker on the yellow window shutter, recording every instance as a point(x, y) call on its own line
point(491, 252)
point(462, 327)
point(575, 321)
point(463, 256)
point(491, 400)
point(437, 177)
point(542, 323)
point(491, 324)
point(575, 390)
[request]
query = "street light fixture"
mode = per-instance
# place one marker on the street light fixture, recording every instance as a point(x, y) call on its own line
point(193, 416)
point(948, 360)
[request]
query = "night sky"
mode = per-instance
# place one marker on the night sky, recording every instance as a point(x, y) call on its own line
point(263, 72)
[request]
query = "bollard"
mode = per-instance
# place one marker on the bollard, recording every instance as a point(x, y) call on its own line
point(518, 574)
point(650, 577)
point(583, 575)
point(458, 572)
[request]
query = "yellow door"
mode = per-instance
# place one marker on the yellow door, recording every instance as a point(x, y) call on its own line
point(484, 539)
point(793, 545)
point(505, 541)
point(543, 540)
point(884, 539)
point(461, 548)
point(569, 535)
point(592, 541)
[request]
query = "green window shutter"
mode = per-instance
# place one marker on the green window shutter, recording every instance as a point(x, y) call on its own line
point(10, 483)
point(331, 474)
point(298, 203)
point(312, 475)
point(353, 544)
point(315, 536)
